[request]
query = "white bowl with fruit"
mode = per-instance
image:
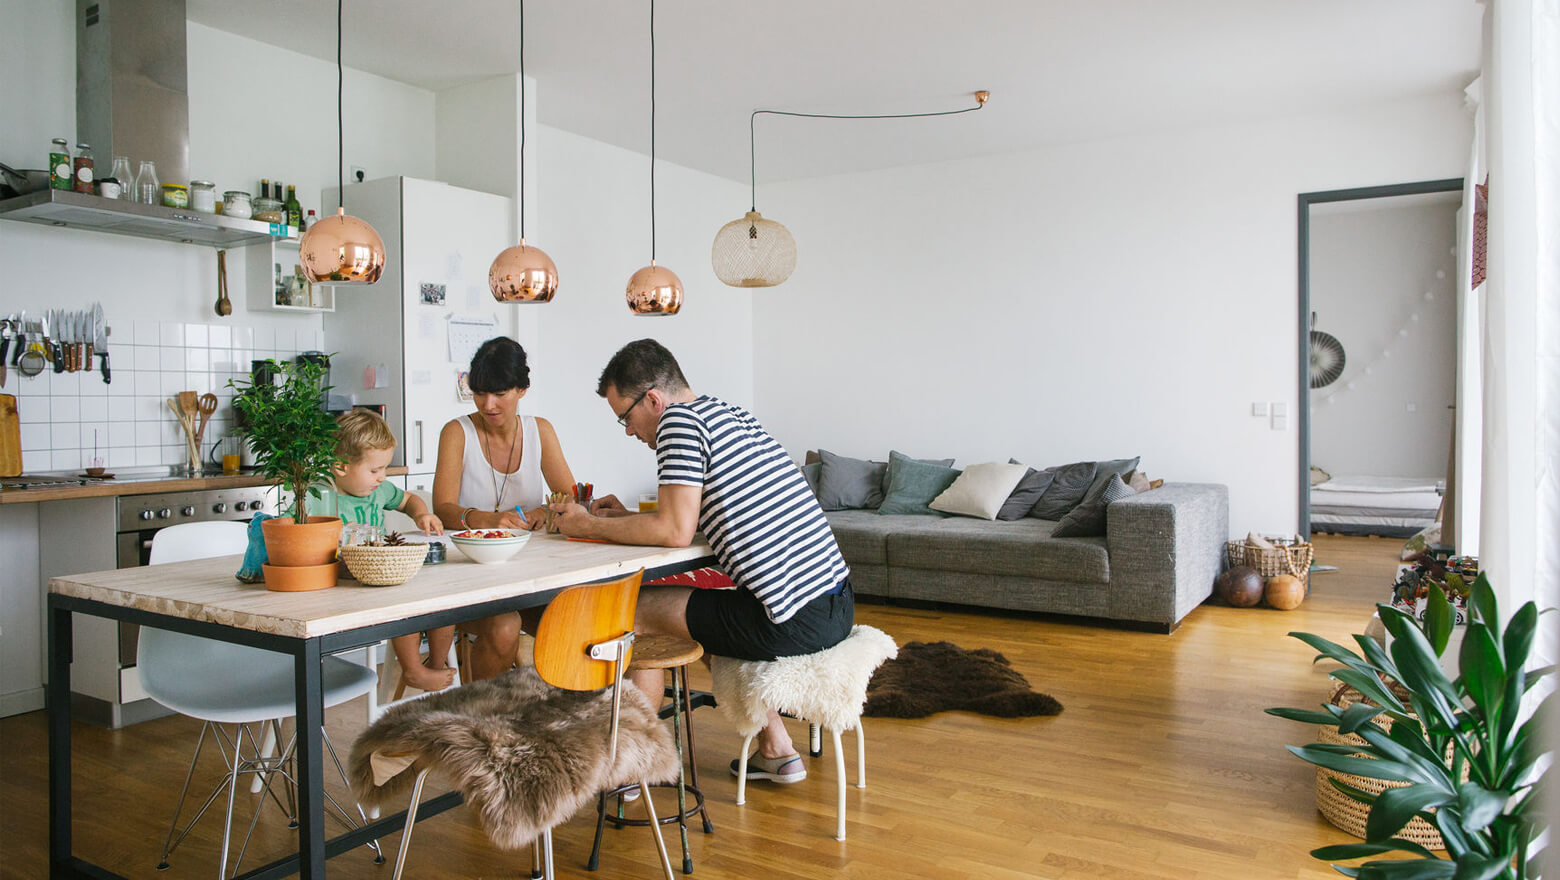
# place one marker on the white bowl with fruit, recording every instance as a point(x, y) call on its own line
point(490, 546)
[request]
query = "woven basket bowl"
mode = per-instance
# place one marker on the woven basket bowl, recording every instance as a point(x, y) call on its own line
point(1343, 811)
point(383, 566)
point(1294, 559)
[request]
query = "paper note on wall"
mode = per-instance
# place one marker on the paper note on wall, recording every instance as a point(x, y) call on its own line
point(467, 333)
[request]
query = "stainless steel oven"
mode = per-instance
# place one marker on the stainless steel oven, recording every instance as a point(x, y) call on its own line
point(140, 517)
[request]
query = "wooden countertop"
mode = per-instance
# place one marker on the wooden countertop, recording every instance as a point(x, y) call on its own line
point(142, 486)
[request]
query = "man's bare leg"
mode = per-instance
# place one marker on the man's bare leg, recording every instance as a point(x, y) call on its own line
point(494, 650)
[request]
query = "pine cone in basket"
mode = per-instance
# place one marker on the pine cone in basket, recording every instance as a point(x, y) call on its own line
point(393, 539)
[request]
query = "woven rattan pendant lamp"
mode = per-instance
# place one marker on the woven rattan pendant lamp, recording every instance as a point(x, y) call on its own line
point(341, 250)
point(752, 251)
point(523, 273)
point(653, 290)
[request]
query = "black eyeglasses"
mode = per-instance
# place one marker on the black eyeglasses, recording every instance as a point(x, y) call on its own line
point(622, 420)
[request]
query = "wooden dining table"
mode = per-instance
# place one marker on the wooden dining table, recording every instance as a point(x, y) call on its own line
point(204, 598)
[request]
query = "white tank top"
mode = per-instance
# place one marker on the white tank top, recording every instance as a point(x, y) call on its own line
point(478, 479)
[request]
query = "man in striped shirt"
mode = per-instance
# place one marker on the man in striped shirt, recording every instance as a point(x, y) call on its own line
point(721, 473)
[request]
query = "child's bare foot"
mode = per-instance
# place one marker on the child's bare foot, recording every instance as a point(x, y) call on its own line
point(425, 679)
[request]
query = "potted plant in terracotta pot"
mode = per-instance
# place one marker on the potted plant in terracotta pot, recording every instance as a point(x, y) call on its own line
point(293, 440)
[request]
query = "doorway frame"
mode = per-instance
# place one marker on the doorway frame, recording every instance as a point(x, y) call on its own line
point(1304, 203)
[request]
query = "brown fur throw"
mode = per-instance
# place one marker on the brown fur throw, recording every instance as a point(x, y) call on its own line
point(929, 678)
point(524, 754)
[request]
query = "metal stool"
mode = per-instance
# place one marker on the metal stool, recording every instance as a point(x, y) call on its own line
point(674, 655)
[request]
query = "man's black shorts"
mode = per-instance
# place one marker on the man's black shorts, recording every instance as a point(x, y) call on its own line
point(732, 623)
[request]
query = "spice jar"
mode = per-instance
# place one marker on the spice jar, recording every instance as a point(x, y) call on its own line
point(82, 170)
point(203, 196)
point(235, 203)
point(175, 195)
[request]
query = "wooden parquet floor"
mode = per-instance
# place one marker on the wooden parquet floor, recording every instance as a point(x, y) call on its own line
point(1162, 765)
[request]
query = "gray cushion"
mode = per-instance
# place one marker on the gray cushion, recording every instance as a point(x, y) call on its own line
point(1103, 470)
point(1088, 518)
point(911, 485)
point(849, 483)
point(862, 536)
point(1024, 548)
point(1028, 491)
point(1066, 490)
point(810, 472)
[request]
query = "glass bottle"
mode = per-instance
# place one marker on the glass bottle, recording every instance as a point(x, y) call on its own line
point(121, 173)
point(81, 170)
point(309, 220)
point(293, 209)
point(148, 189)
point(265, 188)
point(59, 164)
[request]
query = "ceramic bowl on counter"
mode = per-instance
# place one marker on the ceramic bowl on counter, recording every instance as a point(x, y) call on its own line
point(489, 546)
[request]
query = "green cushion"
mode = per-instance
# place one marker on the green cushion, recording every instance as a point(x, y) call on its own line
point(911, 485)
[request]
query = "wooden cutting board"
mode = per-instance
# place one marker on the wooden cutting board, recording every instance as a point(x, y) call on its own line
point(10, 437)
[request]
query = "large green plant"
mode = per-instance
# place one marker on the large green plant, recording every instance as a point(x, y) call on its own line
point(291, 434)
point(1447, 728)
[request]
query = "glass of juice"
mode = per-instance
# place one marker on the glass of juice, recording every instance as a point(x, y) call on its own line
point(648, 503)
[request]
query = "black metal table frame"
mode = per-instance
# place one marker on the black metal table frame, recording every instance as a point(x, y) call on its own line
point(307, 653)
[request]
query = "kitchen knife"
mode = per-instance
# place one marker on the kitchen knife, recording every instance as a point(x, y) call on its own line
point(88, 338)
point(16, 358)
point(51, 343)
point(5, 344)
point(82, 360)
point(100, 339)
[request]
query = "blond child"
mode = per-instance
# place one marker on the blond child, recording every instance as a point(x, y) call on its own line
point(365, 445)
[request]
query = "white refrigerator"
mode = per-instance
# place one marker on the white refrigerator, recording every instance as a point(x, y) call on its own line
point(391, 341)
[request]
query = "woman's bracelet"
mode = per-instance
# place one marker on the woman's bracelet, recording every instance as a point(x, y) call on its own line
point(463, 517)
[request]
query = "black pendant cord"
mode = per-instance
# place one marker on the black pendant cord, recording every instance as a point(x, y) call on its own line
point(341, 147)
point(753, 151)
point(652, 132)
point(522, 120)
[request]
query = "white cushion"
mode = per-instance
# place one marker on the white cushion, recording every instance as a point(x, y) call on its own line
point(980, 490)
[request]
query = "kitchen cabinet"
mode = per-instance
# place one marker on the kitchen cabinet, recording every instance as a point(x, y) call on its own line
point(270, 264)
point(439, 242)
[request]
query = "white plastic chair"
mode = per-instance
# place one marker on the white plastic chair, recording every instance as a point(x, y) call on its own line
point(222, 683)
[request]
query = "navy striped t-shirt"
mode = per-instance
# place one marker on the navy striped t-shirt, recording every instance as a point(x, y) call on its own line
point(760, 518)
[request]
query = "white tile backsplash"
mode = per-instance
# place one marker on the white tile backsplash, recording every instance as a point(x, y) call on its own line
point(152, 361)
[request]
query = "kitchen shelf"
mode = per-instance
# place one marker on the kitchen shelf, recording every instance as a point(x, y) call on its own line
point(56, 207)
point(260, 280)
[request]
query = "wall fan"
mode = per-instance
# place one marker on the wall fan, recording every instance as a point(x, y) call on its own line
point(1326, 357)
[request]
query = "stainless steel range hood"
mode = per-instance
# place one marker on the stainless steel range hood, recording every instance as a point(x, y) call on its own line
point(132, 84)
point(55, 207)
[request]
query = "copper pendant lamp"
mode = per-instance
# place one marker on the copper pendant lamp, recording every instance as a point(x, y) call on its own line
point(653, 290)
point(523, 273)
point(752, 251)
point(341, 250)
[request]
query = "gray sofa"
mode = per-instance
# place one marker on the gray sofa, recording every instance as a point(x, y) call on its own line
point(1160, 554)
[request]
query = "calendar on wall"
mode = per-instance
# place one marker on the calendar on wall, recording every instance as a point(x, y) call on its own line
point(466, 335)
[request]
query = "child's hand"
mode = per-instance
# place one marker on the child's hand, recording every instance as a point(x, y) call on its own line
point(430, 524)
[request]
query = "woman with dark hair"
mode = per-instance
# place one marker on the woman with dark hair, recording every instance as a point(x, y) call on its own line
point(493, 464)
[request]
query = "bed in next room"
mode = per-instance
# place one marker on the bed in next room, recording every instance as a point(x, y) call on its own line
point(1365, 505)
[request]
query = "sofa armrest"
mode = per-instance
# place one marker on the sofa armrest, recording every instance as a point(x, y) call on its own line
point(1166, 547)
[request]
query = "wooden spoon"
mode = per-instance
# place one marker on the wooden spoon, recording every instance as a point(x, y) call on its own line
point(224, 306)
point(208, 405)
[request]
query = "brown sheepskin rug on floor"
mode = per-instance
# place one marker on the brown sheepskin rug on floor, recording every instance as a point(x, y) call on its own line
point(929, 678)
point(526, 755)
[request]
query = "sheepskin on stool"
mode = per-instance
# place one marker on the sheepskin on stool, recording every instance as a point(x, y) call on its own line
point(524, 754)
point(827, 688)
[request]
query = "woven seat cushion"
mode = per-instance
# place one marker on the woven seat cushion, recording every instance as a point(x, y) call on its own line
point(524, 754)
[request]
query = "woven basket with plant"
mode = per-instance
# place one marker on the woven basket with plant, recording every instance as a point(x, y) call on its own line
point(384, 563)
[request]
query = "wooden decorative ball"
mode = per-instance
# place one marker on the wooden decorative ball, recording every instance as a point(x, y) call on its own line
point(1285, 592)
point(1241, 586)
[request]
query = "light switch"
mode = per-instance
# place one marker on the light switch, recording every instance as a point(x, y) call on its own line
point(1280, 422)
point(1412, 406)
point(1259, 408)
point(1280, 409)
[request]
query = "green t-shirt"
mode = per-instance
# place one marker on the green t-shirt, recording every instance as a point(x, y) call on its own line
point(369, 510)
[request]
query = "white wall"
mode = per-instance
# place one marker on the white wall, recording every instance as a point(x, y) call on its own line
point(255, 111)
point(1097, 300)
point(1383, 283)
point(595, 209)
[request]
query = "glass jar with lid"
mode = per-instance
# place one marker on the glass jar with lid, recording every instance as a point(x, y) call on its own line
point(175, 195)
point(269, 210)
point(203, 196)
point(235, 203)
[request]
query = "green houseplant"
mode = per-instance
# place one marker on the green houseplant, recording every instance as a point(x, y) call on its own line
point(1447, 729)
point(293, 440)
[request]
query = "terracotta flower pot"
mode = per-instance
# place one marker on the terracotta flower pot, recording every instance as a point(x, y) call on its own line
point(299, 578)
point(313, 543)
